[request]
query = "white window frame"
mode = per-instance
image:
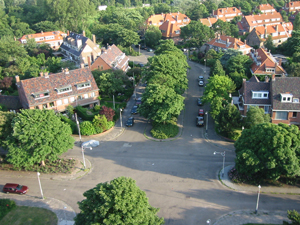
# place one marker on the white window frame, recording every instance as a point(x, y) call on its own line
point(92, 94)
point(72, 99)
point(66, 101)
point(59, 102)
point(64, 90)
point(84, 85)
point(85, 96)
point(260, 94)
point(286, 97)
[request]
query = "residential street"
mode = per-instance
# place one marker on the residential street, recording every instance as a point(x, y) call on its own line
point(178, 176)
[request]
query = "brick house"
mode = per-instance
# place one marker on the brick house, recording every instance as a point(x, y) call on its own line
point(265, 64)
point(57, 91)
point(53, 38)
point(248, 23)
point(209, 21)
point(285, 100)
point(169, 24)
point(279, 33)
point(227, 14)
point(77, 47)
point(254, 93)
point(223, 43)
point(266, 8)
point(110, 58)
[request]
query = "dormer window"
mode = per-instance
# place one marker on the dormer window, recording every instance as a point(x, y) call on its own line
point(83, 85)
point(64, 89)
point(296, 100)
point(260, 94)
point(286, 97)
point(41, 95)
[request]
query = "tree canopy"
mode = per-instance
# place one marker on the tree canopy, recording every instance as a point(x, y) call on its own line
point(256, 115)
point(267, 151)
point(119, 202)
point(34, 139)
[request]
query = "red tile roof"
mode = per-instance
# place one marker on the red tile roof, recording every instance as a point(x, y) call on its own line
point(227, 13)
point(266, 7)
point(227, 42)
point(208, 21)
point(263, 60)
point(261, 19)
point(57, 35)
point(292, 6)
point(285, 29)
point(114, 57)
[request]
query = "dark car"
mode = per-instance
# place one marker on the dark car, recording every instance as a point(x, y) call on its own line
point(130, 122)
point(15, 188)
point(143, 47)
point(199, 121)
point(201, 112)
point(134, 109)
point(199, 101)
point(138, 101)
point(141, 65)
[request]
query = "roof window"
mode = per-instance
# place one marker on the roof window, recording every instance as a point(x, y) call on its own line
point(286, 97)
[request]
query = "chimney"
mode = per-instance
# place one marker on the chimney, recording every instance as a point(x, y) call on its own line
point(227, 41)
point(46, 75)
point(89, 61)
point(62, 70)
point(41, 74)
point(219, 36)
point(17, 79)
point(82, 65)
point(221, 10)
point(67, 71)
point(42, 32)
point(94, 38)
point(245, 41)
point(213, 11)
point(273, 77)
point(240, 8)
point(267, 79)
point(280, 61)
point(68, 32)
point(79, 43)
point(83, 33)
point(15, 38)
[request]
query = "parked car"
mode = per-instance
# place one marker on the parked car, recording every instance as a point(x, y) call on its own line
point(134, 109)
point(200, 78)
point(15, 188)
point(199, 121)
point(201, 83)
point(130, 122)
point(141, 65)
point(201, 112)
point(149, 50)
point(199, 101)
point(192, 49)
point(143, 47)
point(138, 101)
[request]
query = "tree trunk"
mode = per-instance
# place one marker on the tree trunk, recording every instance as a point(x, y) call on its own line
point(43, 163)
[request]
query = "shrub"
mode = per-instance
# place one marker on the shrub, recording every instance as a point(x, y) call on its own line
point(87, 128)
point(71, 123)
point(108, 113)
point(6, 205)
point(164, 131)
point(100, 123)
point(97, 108)
point(110, 124)
point(83, 114)
point(294, 216)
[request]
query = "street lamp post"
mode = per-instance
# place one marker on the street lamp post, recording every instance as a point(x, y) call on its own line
point(38, 175)
point(206, 113)
point(139, 49)
point(121, 117)
point(222, 154)
point(205, 66)
point(82, 150)
point(259, 187)
point(78, 127)
point(208, 221)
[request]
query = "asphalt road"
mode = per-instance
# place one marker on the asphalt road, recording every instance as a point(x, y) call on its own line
point(179, 177)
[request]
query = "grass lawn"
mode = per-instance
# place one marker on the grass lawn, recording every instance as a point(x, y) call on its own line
point(24, 215)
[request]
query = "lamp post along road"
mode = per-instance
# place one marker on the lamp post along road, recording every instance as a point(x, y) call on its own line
point(78, 127)
point(82, 150)
point(38, 175)
point(121, 117)
point(258, 193)
point(205, 66)
point(222, 154)
point(139, 49)
point(206, 124)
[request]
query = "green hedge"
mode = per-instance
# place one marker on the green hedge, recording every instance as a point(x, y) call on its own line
point(6, 205)
point(164, 131)
point(71, 123)
point(82, 113)
point(87, 128)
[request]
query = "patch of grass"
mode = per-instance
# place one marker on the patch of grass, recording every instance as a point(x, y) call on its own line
point(26, 215)
point(164, 131)
point(6, 205)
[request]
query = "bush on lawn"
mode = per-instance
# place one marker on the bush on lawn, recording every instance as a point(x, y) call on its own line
point(87, 128)
point(108, 113)
point(6, 205)
point(110, 124)
point(82, 112)
point(100, 123)
point(71, 123)
point(164, 131)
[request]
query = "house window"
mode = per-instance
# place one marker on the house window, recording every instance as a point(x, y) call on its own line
point(93, 94)
point(286, 97)
point(72, 99)
point(281, 115)
point(37, 107)
point(66, 101)
point(41, 95)
point(79, 97)
point(266, 108)
point(45, 106)
point(294, 114)
point(263, 95)
point(59, 102)
point(296, 100)
point(85, 96)
point(83, 85)
point(64, 90)
point(51, 104)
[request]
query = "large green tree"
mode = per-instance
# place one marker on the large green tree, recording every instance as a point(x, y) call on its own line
point(5, 125)
point(217, 69)
point(37, 135)
point(267, 151)
point(228, 120)
point(256, 115)
point(119, 202)
point(152, 36)
point(296, 22)
point(160, 103)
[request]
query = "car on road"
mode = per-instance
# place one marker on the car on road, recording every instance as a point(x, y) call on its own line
point(134, 109)
point(201, 83)
point(138, 101)
point(141, 65)
point(200, 78)
point(199, 121)
point(199, 101)
point(150, 50)
point(201, 112)
point(130, 122)
point(15, 188)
